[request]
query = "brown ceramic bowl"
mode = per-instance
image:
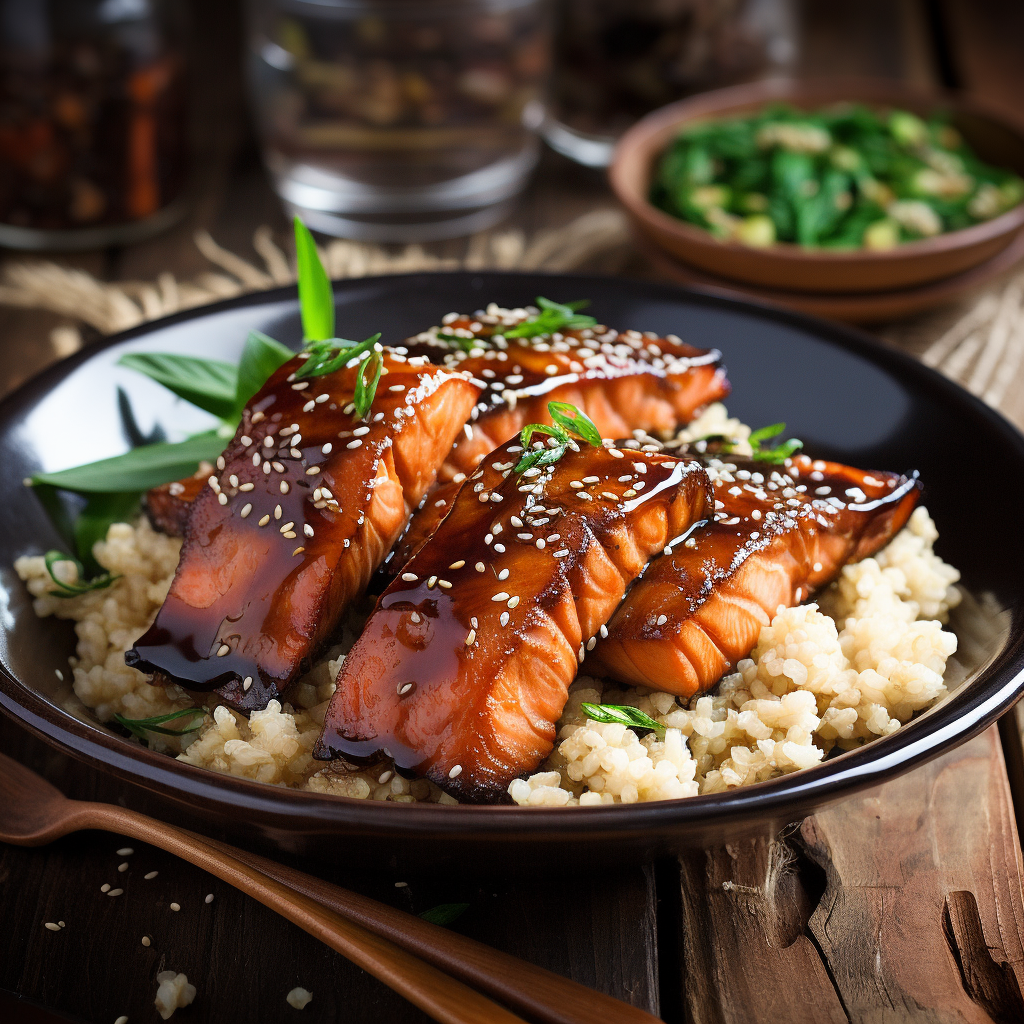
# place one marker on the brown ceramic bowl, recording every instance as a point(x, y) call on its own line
point(848, 397)
point(791, 267)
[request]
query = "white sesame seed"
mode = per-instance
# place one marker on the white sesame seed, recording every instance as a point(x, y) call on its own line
point(503, 575)
point(122, 867)
point(284, 487)
point(455, 772)
point(817, 566)
point(591, 643)
point(151, 875)
point(471, 638)
point(246, 487)
point(503, 618)
point(268, 441)
point(246, 441)
point(115, 892)
point(51, 926)
point(246, 509)
point(604, 631)
point(404, 688)
point(175, 907)
point(307, 530)
point(265, 520)
point(222, 650)
point(431, 582)
point(500, 548)
point(500, 596)
point(222, 499)
point(309, 406)
point(105, 887)
point(277, 511)
point(562, 553)
point(354, 444)
point(513, 601)
point(209, 898)
point(457, 565)
point(301, 386)
point(661, 620)
point(146, 941)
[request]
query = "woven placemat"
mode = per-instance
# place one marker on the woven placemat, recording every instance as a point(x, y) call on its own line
point(978, 342)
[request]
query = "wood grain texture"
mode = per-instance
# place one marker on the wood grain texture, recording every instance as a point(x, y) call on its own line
point(919, 919)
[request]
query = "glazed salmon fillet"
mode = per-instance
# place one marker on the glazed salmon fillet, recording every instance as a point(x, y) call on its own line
point(306, 502)
point(778, 534)
point(622, 382)
point(464, 666)
point(167, 506)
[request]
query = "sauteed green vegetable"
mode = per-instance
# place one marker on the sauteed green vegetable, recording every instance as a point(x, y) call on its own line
point(842, 178)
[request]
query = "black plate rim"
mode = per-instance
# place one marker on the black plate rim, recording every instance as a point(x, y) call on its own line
point(964, 715)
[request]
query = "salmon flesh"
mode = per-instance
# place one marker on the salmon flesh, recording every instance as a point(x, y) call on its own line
point(306, 502)
point(778, 534)
point(464, 666)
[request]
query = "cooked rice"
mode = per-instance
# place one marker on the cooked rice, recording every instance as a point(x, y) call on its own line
point(838, 673)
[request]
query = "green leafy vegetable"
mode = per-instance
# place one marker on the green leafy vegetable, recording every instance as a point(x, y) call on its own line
point(778, 454)
point(95, 519)
point(82, 585)
point(140, 468)
point(260, 358)
point(366, 390)
point(332, 354)
point(316, 300)
point(553, 316)
point(140, 726)
point(207, 383)
point(444, 913)
point(621, 714)
point(568, 421)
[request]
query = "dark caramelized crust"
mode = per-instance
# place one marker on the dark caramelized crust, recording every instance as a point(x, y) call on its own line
point(306, 503)
point(622, 381)
point(779, 533)
point(463, 669)
point(168, 505)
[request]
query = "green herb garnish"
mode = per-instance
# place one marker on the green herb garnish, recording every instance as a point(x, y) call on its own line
point(366, 390)
point(568, 421)
point(82, 585)
point(621, 714)
point(444, 913)
point(779, 453)
point(553, 316)
point(140, 726)
point(466, 344)
point(316, 300)
point(332, 354)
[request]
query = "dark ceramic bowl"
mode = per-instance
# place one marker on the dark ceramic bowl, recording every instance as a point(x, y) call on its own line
point(791, 268)
point(848, 397)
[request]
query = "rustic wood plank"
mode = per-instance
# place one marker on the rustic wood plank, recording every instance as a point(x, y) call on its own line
point(920, 917)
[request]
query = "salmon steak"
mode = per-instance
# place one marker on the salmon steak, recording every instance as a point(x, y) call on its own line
point(464, 666)
point(167, 505)
point(306, 501)
point(778, 534)
point(622, 382)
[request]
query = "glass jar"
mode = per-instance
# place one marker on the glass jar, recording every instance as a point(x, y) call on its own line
point(94, 147)
point(619, 59)
point(399, 120)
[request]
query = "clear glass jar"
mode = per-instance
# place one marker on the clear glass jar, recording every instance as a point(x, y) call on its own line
point(619, 59)
point(399, 120)
point(94, 146)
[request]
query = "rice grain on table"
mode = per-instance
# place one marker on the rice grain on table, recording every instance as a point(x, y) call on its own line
point(855, 665)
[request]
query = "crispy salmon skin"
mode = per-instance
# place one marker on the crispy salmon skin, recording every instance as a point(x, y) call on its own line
point(306, 502)
point(464, 666)
point(778, 534)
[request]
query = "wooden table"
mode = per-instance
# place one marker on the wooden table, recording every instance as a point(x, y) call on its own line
point(904, 904)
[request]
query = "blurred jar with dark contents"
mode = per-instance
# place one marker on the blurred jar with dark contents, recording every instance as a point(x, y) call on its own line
point(94, 146)
point(399, 119)
point(617, 60)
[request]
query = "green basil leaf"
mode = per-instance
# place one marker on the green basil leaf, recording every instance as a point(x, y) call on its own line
point(261, 356)
point(100, 511)
point(445, 913)
point(568, 416)
point(138, 469)
point(207, 383)
point(620, 714)
point(366, 391)
point(140, 726)
point(316, 300)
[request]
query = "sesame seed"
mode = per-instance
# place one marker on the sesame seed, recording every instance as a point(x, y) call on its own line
point(503, 618)
point(615, 453)
point(60, 675)
point(122, 867)
point(431, 582)
point(246, 509)
point(52, 927)
point(268, 441)
point(277, 511)
point(410, 577)
point(480, 567)
point(246, 441)
point(404, 688)
point(115, 892)
point(604, 631)
point(455, 772)
point(209, 898)
point(445, 584)
point(246, 487)
point(661, 620)
point(246, 683)
point(500, 596)
point(500, 548)
point(105, 887)
point(457, 565)
point(591, 479)
point(265, 520)
point(258, 416)
point(309, 406)
point(221, 464)
point(503, 575)
point(290, 535)
point(151, 875)
point(286, 527)
point(513, 601)
point(540, 544)
point(562, 553)
point(817, 566)
point(284, 487)
point(175, 907)
point(471, 638)
point(146, 941)
point(301, 386)
point(222, 650)
point(591, 643)
point(353, 444)
point(222, 499)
